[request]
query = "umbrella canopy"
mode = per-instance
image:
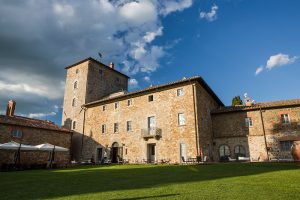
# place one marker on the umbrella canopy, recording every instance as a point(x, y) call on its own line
point(50, 147)
point(16, 146)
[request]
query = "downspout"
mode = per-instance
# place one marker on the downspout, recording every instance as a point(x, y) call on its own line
point(83, 129)
point(196, 119)
point(264, 131)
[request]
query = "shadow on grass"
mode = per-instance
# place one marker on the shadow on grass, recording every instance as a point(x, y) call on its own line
point(41, 184)
point(149, 197)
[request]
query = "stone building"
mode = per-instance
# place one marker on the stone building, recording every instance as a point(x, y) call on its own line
point(170, 121)
point(32, 132)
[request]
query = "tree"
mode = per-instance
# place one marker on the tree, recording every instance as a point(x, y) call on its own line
point(237, 101)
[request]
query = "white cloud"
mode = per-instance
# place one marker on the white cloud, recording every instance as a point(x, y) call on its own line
point(122, 30)
point(147, 79)
point(276, 61)
point(40, 115)
point(210, 16)
point(259, 70)
point(280, 60)
point(133, 83)
point(177, 5)
point(139, 12)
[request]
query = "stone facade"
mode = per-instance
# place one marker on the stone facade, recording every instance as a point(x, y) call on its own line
point(209, 125)
point(166, 106)
point(94, 81)
point(35, 136)
point(261, 140)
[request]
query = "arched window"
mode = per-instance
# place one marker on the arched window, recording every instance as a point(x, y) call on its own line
point(224, 151)
point(239, 150)
point(74, 102)
point(75, 85)
point(74, 125)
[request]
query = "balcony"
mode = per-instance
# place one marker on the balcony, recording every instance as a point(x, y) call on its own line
point(152, 132)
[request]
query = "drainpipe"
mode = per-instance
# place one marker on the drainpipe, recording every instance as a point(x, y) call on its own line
point(83, 129)
point(264, 131)
point(196, 119)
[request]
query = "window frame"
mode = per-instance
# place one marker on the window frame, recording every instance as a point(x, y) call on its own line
point(131, 102)
point(74, 102)
point(248, 122)
point(17, 133)
point(179, 119)
point(103, 128)
point(116, 127)
point(75, 85)
point(179, 94)
point(285, 118)
point(284, 147)
point(129, 126)
point(117, 105)
point(150, 98)
point(74, 125)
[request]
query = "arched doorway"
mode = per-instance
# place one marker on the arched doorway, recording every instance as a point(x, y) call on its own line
point(114, 152)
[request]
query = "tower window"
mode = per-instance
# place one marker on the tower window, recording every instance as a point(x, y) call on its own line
point(103, 128)
point(150, 98)
point(77, 71)
point(100, 72)
point(104, 108)
point(180, 92)
point(75, 85)
point(117, 105)
point(74, 125)
point(129, 102)
point(181, 119)
point(74, 102)
point(116, 127)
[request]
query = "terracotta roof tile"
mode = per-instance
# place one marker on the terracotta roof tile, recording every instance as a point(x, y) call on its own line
point(257, 106)
point(29, 122)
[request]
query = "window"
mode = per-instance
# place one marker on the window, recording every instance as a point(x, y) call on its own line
point(17, 133)
point(117, 79)
point(116, 127)
point(100, 72)
point(116, 105)
point(180, 92)
point(285, 119)
point(239, 150)
point(74, 125)
point(224, 151)
point(151, 123)
point(248, 122)
point(75, 85)
point(286, 145)
point(104, 108)
point(74, 102)
point(103, 128)
point(181, 119)
point(150, 98)
point(129, 102)
point(77, 71)
point(129, 125)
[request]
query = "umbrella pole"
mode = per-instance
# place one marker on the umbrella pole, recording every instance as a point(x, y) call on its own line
point(52, 157)
point(17, 157)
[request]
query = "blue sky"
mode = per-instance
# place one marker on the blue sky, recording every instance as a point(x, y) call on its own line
point(226, 42)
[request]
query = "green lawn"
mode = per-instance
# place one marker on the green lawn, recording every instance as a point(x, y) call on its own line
point(218, 181)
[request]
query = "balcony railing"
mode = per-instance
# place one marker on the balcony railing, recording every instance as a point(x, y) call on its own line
point(152, 132)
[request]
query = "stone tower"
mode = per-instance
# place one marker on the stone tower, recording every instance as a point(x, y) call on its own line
point(87, 80)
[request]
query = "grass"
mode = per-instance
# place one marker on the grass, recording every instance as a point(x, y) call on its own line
point(219, 181)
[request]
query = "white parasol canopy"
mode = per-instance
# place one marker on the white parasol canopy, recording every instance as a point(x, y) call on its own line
point(16, 146)
point(50, 147)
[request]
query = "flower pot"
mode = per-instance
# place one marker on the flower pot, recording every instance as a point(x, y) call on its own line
point(295, 150)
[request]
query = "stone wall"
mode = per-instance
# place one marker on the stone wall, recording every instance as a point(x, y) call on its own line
point(165, 108)
point(34, 136)
point(229, 128)
point(94, 81)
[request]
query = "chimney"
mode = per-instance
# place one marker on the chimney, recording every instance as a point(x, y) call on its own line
point(248, 101)
point(11, 105)
point(112, 65)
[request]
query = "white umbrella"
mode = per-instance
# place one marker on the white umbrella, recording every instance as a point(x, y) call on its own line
point(16, 146)
point(50, 147)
